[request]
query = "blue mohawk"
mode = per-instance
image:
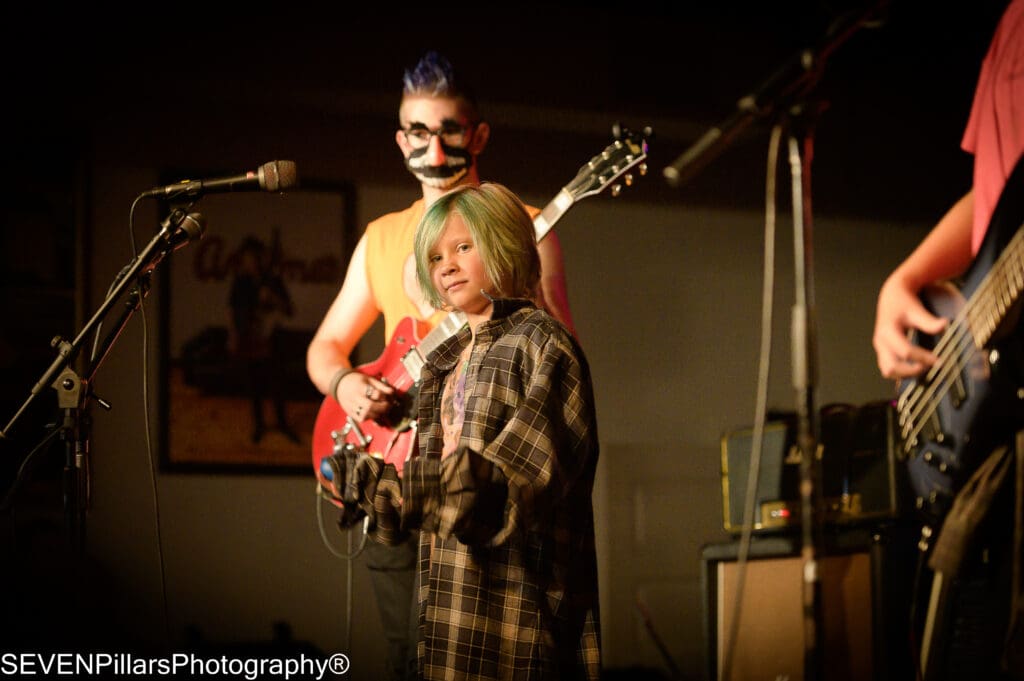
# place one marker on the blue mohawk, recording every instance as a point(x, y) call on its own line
point(432, 76)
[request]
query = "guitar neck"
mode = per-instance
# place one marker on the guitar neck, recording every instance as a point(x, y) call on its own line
point(997, 292)
point(414, 360)
point(552, 213)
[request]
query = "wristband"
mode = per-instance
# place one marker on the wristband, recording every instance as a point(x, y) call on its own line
point(336, 379)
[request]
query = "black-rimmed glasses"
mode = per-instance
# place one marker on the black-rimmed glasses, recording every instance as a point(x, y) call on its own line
point(451, 134)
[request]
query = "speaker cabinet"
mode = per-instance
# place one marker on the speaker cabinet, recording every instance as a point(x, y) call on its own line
point(863, 601)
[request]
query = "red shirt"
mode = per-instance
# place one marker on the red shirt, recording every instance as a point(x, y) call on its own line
point(995, 130)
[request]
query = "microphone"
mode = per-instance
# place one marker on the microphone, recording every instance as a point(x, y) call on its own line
point(710, 145)
point(270, 177)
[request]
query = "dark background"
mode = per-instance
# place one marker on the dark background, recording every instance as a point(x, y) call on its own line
point(913, 66)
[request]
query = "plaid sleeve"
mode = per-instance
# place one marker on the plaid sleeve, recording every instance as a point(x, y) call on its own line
point(475, 495)
point(375, 489)
point(421, 491)
point(536, 426)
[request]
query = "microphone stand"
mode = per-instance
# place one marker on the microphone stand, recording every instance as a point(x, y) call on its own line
point(786, 90)
point(73, 392)
point(804, 361)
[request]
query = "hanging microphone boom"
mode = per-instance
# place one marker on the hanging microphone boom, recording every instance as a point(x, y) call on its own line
point(794, 79)
point(270, 177)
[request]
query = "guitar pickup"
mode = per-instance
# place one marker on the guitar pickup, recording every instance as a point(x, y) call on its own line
point(413, 362)
point(958, 391)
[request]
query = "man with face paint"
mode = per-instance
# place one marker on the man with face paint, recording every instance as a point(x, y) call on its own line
point(441, 135)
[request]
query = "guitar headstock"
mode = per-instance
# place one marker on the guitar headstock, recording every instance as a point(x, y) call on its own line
point(614, 166)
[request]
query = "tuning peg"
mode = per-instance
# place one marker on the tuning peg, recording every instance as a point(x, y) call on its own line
point(616, 190)
point(629, 179)
point(617, 130)
point(642, 168)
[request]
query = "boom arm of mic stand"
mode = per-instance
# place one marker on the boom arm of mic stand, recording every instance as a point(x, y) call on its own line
point(776, 90)
point(131, 305)
point(780, 90)
point(150, 256)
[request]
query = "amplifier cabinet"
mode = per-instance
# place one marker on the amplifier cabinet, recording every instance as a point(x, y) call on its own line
point(862, 476)
point(865, 584)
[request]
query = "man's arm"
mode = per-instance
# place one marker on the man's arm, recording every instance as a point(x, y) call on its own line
point(552, 280)
point(349, 317)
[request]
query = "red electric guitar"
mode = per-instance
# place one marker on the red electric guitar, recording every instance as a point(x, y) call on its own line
point(393, 438)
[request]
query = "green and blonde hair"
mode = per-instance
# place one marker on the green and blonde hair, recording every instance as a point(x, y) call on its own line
point(502, 232)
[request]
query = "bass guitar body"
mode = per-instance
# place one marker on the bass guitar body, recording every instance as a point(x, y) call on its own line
point(980, 410)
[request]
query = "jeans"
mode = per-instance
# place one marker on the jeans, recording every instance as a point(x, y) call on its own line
point(393, 575)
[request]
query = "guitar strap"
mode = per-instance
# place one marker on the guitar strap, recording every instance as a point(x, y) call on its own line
point(959, 528)
point(1013, 650)
point(969, 509)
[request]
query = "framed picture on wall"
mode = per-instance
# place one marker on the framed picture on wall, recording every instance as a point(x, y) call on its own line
point(240, 307)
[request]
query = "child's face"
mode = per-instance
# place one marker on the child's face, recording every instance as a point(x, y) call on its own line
point(457, 271)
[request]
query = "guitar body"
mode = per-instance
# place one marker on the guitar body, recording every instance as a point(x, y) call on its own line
point(392, 438)
point(973, 403)
point(968, 423)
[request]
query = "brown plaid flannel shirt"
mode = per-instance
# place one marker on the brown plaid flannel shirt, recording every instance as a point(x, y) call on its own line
point(508, 569)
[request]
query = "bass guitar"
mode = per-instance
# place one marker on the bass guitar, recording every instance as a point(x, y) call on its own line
point(970, 401)
point(393, 437)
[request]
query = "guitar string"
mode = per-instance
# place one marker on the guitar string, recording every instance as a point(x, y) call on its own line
point(924, 398)
point(992, 307)
point(951, 351)
point(995, 277)
point(984, 320)
point(946, 368)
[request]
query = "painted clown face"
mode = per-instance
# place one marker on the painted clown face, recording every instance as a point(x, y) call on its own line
point(442, 168)
point(438, 141)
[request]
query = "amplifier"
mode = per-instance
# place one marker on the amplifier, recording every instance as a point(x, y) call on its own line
point(866, 577)
point(861, 478)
